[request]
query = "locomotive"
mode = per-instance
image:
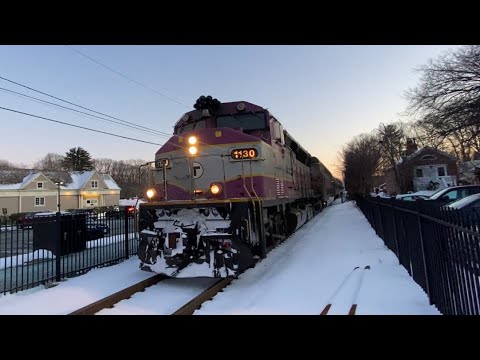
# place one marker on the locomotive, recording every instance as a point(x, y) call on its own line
point(229, 185)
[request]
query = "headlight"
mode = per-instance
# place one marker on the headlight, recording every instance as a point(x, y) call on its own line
point(150, 193)
point(192, 140)
point(215, 189)
point(192, 150)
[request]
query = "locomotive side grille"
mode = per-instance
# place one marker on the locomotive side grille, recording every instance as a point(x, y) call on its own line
point(279, 187)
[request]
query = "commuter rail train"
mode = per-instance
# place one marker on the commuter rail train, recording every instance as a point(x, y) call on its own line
point(229, 184)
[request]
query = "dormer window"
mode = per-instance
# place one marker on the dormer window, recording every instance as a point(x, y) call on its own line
point(94, 184)
point(428, 157)
point(39, 185)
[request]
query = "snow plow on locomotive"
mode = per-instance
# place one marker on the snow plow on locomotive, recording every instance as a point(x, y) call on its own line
point(229, 184)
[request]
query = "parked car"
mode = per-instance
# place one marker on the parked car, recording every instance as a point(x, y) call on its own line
point(469, 202)
point(50, 213)
point(410, 197)
point(89, 213)
point(26, 221)
point(96, 230)
point(119, 212)
point(454, 193)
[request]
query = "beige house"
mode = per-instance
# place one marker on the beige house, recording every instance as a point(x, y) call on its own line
point(28, 191)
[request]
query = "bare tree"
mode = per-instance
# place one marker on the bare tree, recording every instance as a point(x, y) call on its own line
point(361, 160)
point(51, 162)
point(424, 136)
point(449, 92)
point(4, 164)
point(132, 179)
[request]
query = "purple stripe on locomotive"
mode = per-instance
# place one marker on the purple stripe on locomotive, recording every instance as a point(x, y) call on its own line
point(265, 188)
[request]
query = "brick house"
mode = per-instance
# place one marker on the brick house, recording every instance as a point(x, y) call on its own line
point(422, 169)
point(30, 191)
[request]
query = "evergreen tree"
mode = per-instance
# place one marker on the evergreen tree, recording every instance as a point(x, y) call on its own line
point(77, 159)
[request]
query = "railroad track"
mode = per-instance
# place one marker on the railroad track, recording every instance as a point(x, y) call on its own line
point(187, 309)
point(111, 300)
point(194, 304)
point(357, 287)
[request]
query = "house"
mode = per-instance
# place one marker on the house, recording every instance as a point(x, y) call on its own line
point(422, 169)
point(29, 190)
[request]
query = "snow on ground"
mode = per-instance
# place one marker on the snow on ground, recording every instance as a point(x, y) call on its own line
point(74, 293)
point(46, 254)
point(108, 240)
point(298, 277)
point(7, 228)
point(22, 259)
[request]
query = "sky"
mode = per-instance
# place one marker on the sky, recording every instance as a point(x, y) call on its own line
point(313, 268)
point(323, 95)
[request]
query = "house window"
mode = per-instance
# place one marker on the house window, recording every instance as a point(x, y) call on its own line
point(418, 173)
point(428, 157)
point(441, 171)
point(39, 185)
point(94, 184)
point(39, 201)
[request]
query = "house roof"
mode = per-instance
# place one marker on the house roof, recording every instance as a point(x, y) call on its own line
point(419, 151)
point(57, 176)
point(108, 180)
point(12, 178)
point(15, 179)
point(79, 179)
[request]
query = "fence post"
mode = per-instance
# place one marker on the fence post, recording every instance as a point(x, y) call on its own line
point(127, 250)
point(424, 258)
point(380, 205)
point(58, 247)
point(395, 232)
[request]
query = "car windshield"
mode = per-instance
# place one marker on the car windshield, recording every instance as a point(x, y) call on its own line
point(464, 202)
point(438, 193)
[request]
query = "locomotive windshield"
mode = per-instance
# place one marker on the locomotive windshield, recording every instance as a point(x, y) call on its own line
point(189, 127)
point(252, 121)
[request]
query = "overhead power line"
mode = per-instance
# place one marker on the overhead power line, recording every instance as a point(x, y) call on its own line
point(80, 106)
point(33, 98)
point(78, 126)
point(126, 77)
point(97, 112)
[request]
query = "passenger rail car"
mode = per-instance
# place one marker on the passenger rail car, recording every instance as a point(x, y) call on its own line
point(229, 183)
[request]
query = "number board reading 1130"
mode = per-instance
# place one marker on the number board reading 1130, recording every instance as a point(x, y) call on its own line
point(249, 153)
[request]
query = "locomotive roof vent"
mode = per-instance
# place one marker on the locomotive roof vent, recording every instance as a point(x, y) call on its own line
point(241, 107)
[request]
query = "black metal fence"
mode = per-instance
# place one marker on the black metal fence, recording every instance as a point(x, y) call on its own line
point(47, 248)
point(440, 248)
